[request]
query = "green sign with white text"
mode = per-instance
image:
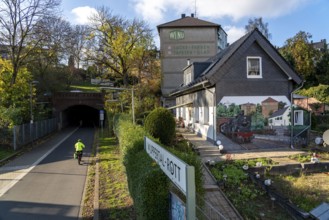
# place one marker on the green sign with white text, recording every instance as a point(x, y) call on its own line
point(176, 35)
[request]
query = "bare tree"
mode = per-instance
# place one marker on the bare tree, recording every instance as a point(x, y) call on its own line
point(78, 43)
point(260, 25)
point(17, 23)
point(53, 35)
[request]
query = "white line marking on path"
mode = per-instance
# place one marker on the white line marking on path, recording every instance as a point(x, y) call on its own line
point(19, 174)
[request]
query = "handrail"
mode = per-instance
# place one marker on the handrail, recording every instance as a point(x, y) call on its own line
point(306, 128)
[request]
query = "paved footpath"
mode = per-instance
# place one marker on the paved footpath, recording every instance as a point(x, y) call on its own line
point(214, 194)
point(13, 171)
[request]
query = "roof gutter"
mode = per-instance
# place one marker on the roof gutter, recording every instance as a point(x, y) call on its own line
point(189, 88)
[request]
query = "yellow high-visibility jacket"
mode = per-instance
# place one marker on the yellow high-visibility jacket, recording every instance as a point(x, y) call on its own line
point(79, 146)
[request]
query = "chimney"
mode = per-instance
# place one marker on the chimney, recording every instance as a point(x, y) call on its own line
point(183, 15)
point(188, 62)
point(192, 15)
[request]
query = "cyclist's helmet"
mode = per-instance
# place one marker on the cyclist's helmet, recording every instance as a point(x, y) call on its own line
point(79, 140)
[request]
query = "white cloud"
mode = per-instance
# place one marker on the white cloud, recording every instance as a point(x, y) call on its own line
point(234, 33)
point(154, 11)
point(151, 10)
point(82, 14)
point(239, 9)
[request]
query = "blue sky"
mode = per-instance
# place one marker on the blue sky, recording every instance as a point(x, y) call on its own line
point(285, 18)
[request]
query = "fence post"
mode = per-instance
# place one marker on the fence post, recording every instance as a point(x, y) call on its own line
point(27, 133)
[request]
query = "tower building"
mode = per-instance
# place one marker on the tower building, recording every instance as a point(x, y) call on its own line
point(182, 42)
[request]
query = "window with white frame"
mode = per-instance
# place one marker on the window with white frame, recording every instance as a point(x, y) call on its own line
point(254, 67)
point(206, 115)
point(184, 113)
point(190, 114)
point(298, 117)
point(196, 114)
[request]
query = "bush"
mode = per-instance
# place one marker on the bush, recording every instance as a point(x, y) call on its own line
point(131, 137)
point(160, 123)
point(148, 185)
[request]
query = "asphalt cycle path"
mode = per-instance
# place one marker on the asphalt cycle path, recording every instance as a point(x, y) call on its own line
point(52, 186)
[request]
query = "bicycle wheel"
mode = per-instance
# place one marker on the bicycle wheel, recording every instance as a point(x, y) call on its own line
point(79, 158)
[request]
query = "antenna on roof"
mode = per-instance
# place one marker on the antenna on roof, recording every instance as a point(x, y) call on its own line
point(195, 8)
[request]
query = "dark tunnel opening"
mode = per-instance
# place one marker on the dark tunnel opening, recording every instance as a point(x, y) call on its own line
point(82, 115)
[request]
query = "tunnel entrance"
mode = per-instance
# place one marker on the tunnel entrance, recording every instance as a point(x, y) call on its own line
point(81, 115)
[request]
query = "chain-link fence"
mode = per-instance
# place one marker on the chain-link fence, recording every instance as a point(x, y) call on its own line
point(6, 137)
point(27, 133)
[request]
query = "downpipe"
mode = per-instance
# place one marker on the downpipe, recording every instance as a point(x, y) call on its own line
point(292, 114)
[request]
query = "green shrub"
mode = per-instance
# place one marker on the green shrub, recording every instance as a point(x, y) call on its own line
point(192, 159)
point(131, 137)
point(154, 189)
point(148, 185)
point(160, 123)
point(117, 118)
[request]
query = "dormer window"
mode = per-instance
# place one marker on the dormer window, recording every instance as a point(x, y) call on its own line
point(254, 67)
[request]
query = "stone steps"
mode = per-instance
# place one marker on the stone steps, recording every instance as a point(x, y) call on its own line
point(208, 151)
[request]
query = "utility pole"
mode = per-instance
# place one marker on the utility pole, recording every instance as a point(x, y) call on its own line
point(31, 110)
point(132, 98)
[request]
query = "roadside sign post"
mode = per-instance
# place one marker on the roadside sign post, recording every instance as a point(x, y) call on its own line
point(180, 173)
point(101, 119)
point(190, 192)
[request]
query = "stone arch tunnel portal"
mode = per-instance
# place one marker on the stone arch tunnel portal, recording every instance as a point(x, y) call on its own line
point(78, 108)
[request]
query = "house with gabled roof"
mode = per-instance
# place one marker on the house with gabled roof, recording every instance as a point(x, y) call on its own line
point(248, 69)
point(280, 117)
point(269, 106)
point(310, 104)
point(248, 108)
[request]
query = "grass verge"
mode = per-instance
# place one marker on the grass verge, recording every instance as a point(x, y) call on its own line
point(88, 203)
point(5, 152)
point(307, 191)
point(114, 198)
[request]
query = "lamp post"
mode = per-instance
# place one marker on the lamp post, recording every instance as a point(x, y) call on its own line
point(31, 109)
point(132, 98)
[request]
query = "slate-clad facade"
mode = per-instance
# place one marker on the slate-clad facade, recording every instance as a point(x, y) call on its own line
point(228, 74)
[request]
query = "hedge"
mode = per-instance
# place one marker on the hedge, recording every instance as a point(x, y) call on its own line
point(148, 185)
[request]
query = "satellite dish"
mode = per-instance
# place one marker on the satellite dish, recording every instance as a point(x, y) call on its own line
point(325, 137)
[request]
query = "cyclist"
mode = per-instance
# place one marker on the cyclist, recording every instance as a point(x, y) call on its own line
point(79, 146)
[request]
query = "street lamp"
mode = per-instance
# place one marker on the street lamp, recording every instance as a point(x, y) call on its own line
point(31, 109)
point(132, 98)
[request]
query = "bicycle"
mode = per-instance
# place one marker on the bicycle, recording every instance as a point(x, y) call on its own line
point(79, 156)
